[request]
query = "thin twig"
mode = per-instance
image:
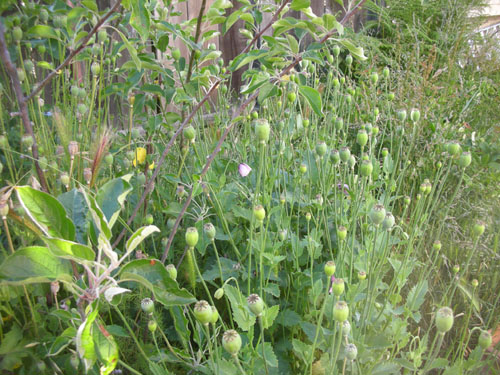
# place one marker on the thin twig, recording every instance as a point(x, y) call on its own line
point(269, 24)
point(66, 62)
point(149, 185)
point(228, 129)
point(23, 108)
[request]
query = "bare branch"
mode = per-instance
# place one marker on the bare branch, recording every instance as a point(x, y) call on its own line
point(23, 108)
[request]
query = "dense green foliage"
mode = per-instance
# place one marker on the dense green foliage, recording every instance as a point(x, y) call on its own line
point(342, 222)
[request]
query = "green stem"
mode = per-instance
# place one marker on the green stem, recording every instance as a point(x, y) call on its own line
point(132, 334)
point(261, 323)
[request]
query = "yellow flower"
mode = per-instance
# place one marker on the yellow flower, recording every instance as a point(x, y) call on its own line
point(152, 165)
point(140, 156)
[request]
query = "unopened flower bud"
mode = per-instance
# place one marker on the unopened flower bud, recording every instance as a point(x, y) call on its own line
point(415, 115)
point(485, 340)
point(219, 293)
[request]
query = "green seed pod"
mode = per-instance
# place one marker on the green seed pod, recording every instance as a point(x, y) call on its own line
point(391, 96)
point(303, 168)
point(95, 68)
point(262, 130)
point(351, 352)
point(282, 235)
point(335, 82)
point(478, 229)
point(17, 34)
point(255, 304)
point(345, 154)
point(172, 271)
point(108, 159)
point(259, 213)
point(338, 287)
point(456, 268)
point(444, 319)
point(219, 293)
point(231, 341)
point(341, 233)
point(374, 78)
point(203, 312)
point(209, 230)
point(388, 222)
point(362, 137)
point(152, 326)
point(176, 54)
point(386, 72)
point(377, 214)
point(330, 268)
point(4, 210)
point(149, 219)
point(215, 315)
point(192, 236)
point(41, 49)
point(28, 65)
point(407, 200)
point(361, 275)
point(291, 96)
point(335, 156)
point(366, 168)
point(102, 36)
point(348, 99)
point(465, 159)
point(348, 60)
point(65, 179)
point(352, 161)
point(336, 51)
point(339, 123)
point(340, 311)
point(415, 115)
point(306, 123)
point(321, 149)
point(485, 340)
point(329, 58)
point(474, 283)
point(385, 152)
point(368, 127)
point(81, 109)
point(147, 305)
point(401, 115)
point(454, 148)
point(436, 245)
point(189, 133)
point(141, 179)
point(44, 15)
point(342, 80)
point(308, 216)
point(346, 328)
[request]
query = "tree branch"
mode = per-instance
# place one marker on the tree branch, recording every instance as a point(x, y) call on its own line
point(75, 52)
point(23, 108)
point(196, 38)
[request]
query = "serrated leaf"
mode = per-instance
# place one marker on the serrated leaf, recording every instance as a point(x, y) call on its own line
point(269, 315)
point(416, 296)
point(242, 316)
point(386, 368)
point(288, 318)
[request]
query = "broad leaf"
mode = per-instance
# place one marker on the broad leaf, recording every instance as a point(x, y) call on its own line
point(111, 197)
point(138, 237)
point(47, 213)
point(34, 264)
point(85, 341)
point(106, 349)
point(76, 209)
point(69, 250)
point(300, 4)
point(313, 97)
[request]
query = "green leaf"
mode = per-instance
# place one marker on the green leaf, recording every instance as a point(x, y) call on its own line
point(44, 31)
point(386, 368)
point(300, 4)
point(288, 318)
point(138, 237)
point(34, 264)
point(98, 217)
point(357, 52)
point(246, 58)
point(63, 341)
point(292, 42)
point(416, 296)
point(267, 91)
point(105, 348)
point(85, 342)
point(242, 316)
point(269, 315)
point(90, 4)
point(111, 197)
point(271, 358)
point(302, 350)
point(69, 250)
point(131, 50)
point(76, 209)
point(469, 294)
point(46, 212)
point(153, 275)
point(313, 97)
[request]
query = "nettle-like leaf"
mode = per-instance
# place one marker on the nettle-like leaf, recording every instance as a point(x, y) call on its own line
point(34, 264)
point(241, 315)
point(153, 275)
point(46, 212)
